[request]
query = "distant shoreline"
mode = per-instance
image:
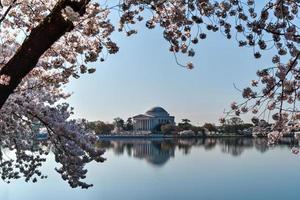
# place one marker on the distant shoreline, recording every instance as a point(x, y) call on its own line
point(150, 136)
point(162, 136)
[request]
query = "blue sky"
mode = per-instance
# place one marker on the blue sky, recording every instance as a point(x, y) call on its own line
point(144, 74)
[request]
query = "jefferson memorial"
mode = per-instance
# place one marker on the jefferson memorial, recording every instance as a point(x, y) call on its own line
point(151, 119)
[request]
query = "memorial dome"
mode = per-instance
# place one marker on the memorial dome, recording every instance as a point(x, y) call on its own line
point(157, 111)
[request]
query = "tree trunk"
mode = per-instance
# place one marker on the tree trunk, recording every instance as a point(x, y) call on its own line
point(40, 40)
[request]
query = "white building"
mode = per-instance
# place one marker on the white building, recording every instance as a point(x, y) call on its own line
point(151, 119)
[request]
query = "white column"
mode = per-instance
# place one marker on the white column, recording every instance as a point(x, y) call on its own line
point(147, 124)
point(142, 124)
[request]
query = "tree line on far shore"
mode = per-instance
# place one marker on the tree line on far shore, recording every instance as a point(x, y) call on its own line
point(232, 125)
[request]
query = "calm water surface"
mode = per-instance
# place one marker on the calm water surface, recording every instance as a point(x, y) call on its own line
point(236, 168)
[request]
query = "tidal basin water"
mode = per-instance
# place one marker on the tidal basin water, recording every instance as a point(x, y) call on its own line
point(228, 168)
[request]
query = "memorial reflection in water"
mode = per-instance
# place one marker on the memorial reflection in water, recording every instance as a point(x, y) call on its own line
point(157, 152)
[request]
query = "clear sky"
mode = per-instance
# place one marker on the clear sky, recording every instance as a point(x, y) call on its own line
point(144, 74)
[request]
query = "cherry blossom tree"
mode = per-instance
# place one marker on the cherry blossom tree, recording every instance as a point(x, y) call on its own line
point(45, 43)
point(41, 44)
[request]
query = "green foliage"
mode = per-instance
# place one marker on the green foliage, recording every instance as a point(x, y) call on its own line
point(168, 129)
point(186, 121)
point(234, 121)
point(119, 122)
point(235, 125)
point(100, 127)
point(210, 127)
point(185, 125)
point(234, 128)
point(129, 125)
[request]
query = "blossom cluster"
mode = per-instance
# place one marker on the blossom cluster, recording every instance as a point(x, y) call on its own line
point(186, 23)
